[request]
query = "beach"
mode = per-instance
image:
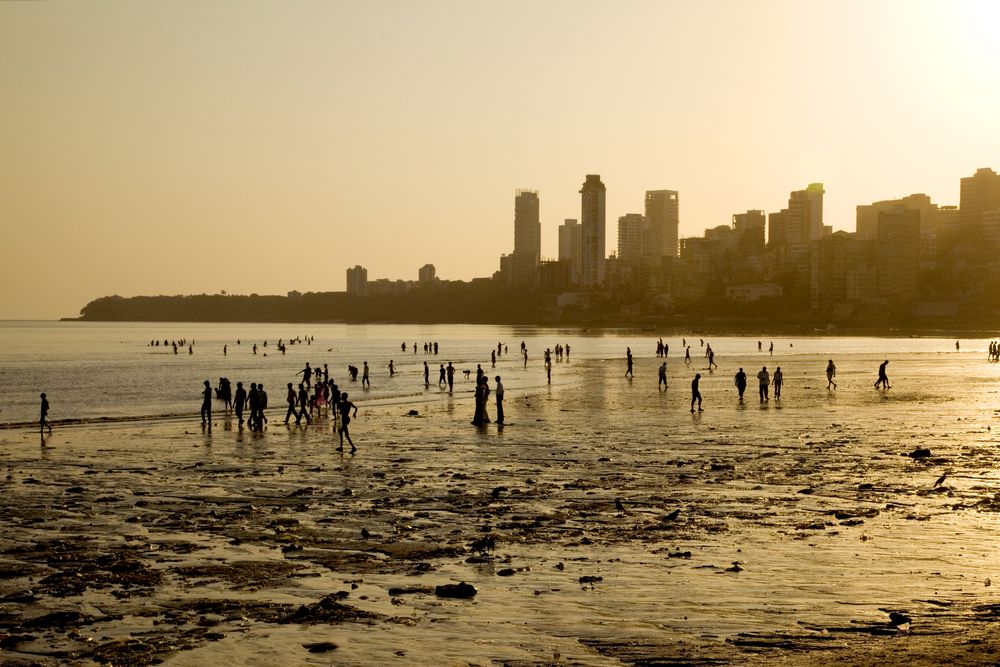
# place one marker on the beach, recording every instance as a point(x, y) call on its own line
point(805, 530)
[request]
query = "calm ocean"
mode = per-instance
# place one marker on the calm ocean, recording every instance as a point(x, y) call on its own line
point(94, 371)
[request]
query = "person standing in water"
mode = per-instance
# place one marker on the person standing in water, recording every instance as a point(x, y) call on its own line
point(831, 372)
point(206, 404)
point(687, 355)
point(365, 382)
point(291, 398)
point(442, 378)
point(695, 392)
point(44, 413)
point(776, 381)
point(764, 381)
point(883, 379)
point(239, 402)
point(451, 377)
point(663, 376)
point(741, 382)
point(498, 392)
point(628, 361)
point(427, 375)
point(344, 408)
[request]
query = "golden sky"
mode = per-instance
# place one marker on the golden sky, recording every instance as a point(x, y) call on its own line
point(194, 147)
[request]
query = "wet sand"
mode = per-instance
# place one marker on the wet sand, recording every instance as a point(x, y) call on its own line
point(805, 531)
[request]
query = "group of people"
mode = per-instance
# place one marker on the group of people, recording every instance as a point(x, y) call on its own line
point(429, 348)
point(480, 417)
point(764, 381)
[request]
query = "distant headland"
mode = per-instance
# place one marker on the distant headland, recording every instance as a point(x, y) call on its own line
point(485, 302)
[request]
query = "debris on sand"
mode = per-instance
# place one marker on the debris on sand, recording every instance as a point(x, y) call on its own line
point(460, 590)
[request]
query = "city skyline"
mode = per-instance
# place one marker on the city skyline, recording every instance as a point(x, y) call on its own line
point(276, 141)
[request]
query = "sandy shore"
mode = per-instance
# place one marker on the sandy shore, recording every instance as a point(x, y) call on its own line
point(803, 531)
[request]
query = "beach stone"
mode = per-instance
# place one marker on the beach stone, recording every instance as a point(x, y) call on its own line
point(410, 590)
point(506, 572)
point(460, 590)
point(590, 579)
point(920, 453)
point(320, 647)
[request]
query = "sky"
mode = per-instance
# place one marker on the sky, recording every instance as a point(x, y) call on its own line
point(193, 147)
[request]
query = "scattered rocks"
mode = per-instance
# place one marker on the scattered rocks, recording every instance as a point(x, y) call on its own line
point(920, 453)
point(460, 590)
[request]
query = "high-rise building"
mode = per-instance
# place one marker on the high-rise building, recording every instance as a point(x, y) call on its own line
point(427, 273)
point(749, 228)
point(593, 232)
point(805, 225)
point(357, 281)
point(868, 214)
point(631, 230)
point(841, 266)
point(980, 194)
point(571, 248)
point(662, 220)
point(898, 252)
point(527, 236)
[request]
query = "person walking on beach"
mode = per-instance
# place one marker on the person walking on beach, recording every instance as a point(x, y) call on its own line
point(498, 392)
point(493, 359)
point(239, 402)
point(776, 381)
point(687, 355)
point(764, 381)
point(427, 375)
point(344, 408)
point(303, 400)
point(451, 377)
point(628, 361)
point(306, 374)
point(206, 404)
point(365, 382)
point(770, 350)
point(711, 358)
point(261, 406)
point(741, 382)
point(695, 392)
point(253, 405)
point(883, 379)
point(43, 423)
point(831, 372)
point(291, 398)
point(392, 368)
point(663, 376)
point(442, 377)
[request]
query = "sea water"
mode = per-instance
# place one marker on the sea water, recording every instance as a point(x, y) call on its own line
point(100, 371)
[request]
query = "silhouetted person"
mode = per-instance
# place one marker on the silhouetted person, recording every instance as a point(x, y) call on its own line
point(291, 398)
point(224, 349)
point(831, 372)
point(763, 382)
point(206, 404)
point(239, 402)
point(365, 382)
point(628, 362)
point(770, 350)
point(711, 358)
point(740, 380)
point(687, 355)
point(695, 392)
point(776, 381)
point(499, 397)
point(427, 375)
point(451, 377)
point(43, 423)
point(303, 400)
point(253, 402)
point(306, 374)
point(261, 406)
point(442, 378)
point(493, 359)
point(883, 379)
point(663, 376)
point(392, 367)
point(344, 408)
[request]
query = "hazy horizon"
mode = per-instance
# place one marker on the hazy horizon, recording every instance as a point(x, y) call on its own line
point(266, 147)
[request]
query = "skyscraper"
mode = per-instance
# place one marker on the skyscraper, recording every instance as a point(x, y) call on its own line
point(527, 236)
point(980, 194)
point(571, 248)
point(749, 228)
point(631, 230)
point(593, 232)
point(803, 224)
point(662, 220)
point(898, 252)
point(357, 281)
